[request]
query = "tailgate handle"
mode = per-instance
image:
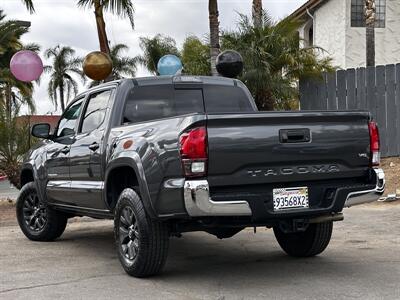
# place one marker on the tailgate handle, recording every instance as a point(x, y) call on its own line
point(294, 135)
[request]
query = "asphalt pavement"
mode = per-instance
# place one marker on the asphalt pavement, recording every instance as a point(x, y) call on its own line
point(362, 262)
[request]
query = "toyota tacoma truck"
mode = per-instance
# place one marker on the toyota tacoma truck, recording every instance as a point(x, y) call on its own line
point(162, 156)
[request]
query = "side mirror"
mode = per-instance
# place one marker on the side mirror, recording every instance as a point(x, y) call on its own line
point(41, 130)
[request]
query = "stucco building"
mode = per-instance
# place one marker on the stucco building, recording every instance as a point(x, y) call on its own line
point(338, 27)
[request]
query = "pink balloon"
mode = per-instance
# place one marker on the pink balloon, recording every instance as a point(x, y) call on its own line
point(26, 66)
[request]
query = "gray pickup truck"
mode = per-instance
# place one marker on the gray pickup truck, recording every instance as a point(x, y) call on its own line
point(167, 155)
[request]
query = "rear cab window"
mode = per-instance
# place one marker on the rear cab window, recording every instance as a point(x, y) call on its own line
point(226, 99)
point(154, 102)
point(147, 103)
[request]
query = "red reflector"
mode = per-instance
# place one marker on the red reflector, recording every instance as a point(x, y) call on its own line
point(194, 144)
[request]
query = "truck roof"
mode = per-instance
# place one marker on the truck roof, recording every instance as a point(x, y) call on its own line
point(186, 81)
point(181, 79)
point(177, 79)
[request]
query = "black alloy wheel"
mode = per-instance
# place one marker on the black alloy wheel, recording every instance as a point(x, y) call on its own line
point(129, 235)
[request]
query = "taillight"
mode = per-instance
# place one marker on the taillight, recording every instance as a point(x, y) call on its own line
point(193, 150)
point(375, 154)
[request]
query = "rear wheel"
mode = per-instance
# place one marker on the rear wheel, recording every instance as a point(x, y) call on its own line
point(142, 243)
point(38, 221)
point(310, 242)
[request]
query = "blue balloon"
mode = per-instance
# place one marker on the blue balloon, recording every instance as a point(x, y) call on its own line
point(169, 65)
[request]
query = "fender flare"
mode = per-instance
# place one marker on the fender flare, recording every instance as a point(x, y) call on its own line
point(131, 159)
point(29, 167)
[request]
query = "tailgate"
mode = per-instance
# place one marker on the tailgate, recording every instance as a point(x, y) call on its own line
point(269, 147)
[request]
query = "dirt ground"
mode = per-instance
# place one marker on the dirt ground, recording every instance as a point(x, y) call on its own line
point(391, 166)
point(7, 213)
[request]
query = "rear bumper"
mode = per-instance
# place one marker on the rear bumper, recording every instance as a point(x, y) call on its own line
point(366, 196)
point(198, 202)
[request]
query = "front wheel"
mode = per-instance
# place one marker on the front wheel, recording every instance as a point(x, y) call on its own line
point(142, 243)
point(310, 242)
point(38, 221)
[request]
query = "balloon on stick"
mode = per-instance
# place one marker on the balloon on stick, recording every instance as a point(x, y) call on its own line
point(26, 66)
point(229, 63)
point(97, 65)
point(169, 65)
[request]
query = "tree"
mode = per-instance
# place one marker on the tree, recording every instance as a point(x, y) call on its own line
point(273, 61)
point(122, 65)
point(155, 48)
point(370, 31)
point(214, 34)
point(13, 144)
point(64, 64)
point(195, 57)
point(122, 8)
point(12, 91)
point(257, 13)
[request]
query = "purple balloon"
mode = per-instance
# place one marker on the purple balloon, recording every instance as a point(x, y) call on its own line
point(26, 66)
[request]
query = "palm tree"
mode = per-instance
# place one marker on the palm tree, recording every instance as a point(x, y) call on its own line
point(257, 13)
point(12, 91)
point(122, 65)
point(155, 48)
point(29, 5)
point(64, 64)
point(273, 62)
point(214, 34)
point(370, 31)
point(122, 8)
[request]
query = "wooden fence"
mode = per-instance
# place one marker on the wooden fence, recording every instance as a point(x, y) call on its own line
point(375, 89)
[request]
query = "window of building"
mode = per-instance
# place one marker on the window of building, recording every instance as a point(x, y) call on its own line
point(358, 13)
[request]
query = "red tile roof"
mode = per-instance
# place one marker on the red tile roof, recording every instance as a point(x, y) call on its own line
point(35, 119)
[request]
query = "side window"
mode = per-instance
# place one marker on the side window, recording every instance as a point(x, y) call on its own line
point(146, 103)
point(95, 112)
point(66, 126)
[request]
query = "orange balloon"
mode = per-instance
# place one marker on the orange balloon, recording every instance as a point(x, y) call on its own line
point(97, 65)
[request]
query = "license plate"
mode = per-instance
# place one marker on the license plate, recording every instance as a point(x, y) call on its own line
point(290, 198)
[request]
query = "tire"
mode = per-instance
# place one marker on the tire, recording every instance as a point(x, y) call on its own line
point(142, 243)
point(38, 221)
point(309, 243)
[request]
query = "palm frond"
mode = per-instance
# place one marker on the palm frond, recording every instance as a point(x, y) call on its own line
point(121, 8)
point(29, 5)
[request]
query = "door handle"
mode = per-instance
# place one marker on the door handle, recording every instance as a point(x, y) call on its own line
point(94, 146)
point(65, 150)
point(295, 135)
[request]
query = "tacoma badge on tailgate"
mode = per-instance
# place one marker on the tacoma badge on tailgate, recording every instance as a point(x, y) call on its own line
point(318, 169)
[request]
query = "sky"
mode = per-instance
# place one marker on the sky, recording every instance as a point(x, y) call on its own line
point(62, 22)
